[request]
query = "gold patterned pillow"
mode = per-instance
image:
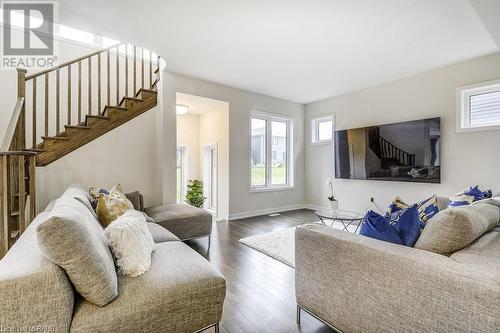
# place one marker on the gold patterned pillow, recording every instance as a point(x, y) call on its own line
point(111, 206)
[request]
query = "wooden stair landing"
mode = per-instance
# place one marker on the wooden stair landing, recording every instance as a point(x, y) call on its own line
point(94, 126)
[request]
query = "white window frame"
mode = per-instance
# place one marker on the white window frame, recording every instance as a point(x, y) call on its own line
point(315, 129)
point(207, 174)
point(463, 95)
point(269, 117)
point(183, 149)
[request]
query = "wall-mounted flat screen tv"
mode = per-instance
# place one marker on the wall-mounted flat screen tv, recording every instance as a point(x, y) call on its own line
point(409, 151)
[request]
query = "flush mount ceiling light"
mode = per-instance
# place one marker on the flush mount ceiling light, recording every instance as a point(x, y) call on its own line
point(181, 109)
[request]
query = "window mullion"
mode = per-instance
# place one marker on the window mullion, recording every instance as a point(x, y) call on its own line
point(288, 150)
point(269, 153)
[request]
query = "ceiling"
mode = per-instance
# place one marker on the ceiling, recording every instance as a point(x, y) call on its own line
point(199, 105)
point(300, 51)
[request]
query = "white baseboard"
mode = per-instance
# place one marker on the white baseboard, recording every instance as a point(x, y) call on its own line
point(266, 211)
point(314, 207)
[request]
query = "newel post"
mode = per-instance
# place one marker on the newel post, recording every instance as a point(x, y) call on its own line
point(20, 136)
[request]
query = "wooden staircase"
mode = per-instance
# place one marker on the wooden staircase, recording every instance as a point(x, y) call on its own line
point(80, 100)
point(75, 136)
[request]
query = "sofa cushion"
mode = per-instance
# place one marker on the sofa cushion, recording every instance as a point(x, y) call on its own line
point(109, 208)
point(426, 208)
point(181, 292)
point(468, 196)
point(135, 199)
point(376, 226)
point(491, 201)
point(35, 292)
point(74, 240)
point(455, 228)
point(79, 193)
point(182, 220)
point(408, 226)
point(460, 200)
point(131, 243)
point(482, 254)
point(161, 234)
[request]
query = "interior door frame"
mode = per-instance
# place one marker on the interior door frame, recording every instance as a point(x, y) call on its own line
point(207, 169)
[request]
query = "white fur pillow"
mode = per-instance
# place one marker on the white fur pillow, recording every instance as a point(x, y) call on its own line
point(131, 243)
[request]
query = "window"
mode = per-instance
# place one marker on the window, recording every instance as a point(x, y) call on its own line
point(478, 107)
point(181, 174)
point(210, 177)
point(270, 152)
point(321, 129)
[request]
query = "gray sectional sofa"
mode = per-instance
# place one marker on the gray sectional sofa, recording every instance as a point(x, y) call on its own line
point(181, 292)
point(359, 284)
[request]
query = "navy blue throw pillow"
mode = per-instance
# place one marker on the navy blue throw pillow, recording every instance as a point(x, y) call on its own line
point(376, 226)
point(475, 192)
point(408, 226)
point(487, 194)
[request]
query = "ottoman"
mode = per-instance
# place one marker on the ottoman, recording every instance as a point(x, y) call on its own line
point(184, 221)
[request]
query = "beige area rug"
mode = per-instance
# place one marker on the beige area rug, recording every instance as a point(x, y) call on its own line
point(280, 244)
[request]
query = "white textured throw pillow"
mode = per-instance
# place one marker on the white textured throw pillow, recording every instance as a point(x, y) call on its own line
point(131, 243)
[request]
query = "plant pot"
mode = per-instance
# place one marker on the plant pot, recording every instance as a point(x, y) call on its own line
point(334, 204)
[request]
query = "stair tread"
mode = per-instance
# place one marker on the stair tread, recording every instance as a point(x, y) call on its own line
point(36, 150)
point(17, 194)
point(97, 116)
point(115, 107)
point(55, 138)
point(14, 234)
point(77, 126)
point(15, 213)
point(134, 99)
point(148, 90)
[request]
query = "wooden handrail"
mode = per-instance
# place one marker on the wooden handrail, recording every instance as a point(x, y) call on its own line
point(71, 62)
point(17, 163)
point(17, 153)
point(11, 129)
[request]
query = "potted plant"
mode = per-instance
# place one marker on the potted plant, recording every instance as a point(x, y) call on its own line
point(194, 194)
point(334, 204)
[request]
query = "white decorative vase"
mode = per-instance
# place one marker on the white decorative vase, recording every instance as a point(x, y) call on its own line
point(334, 204)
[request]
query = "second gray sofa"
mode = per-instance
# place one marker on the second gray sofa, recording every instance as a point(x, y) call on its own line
point(184, 221)
point(359, 284)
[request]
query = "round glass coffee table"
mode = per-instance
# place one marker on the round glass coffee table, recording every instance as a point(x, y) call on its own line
point(345, 220)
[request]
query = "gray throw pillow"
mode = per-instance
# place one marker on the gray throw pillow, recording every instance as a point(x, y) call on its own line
point(453, 229)
point(72, 239)
point(135, 198)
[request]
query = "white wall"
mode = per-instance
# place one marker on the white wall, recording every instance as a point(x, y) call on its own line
point(126, 155)
point(467, 159)
point(188, 135)
point(241, 202)
point(214, 130)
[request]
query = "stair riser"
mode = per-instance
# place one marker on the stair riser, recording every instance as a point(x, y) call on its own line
point(129, 103)
point(92, 121)
point(75, 131)
point(147, 94)
point(110, 112)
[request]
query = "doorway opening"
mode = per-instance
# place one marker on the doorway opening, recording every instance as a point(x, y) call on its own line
point(203, 150)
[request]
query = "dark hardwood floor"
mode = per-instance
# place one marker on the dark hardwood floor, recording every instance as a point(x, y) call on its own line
point(260, 295)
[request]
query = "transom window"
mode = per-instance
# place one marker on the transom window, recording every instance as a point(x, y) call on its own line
point(478, 107)
point(321, 129)
point(270, 152)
